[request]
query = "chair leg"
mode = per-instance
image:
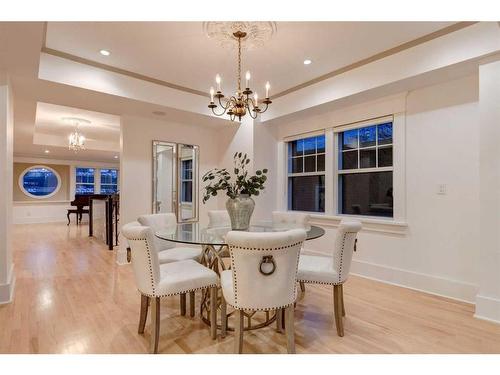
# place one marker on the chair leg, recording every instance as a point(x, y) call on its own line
point(279, 320)
point(69, 221)
point(155, 324)
point(213, 312)
point(290, 329)
point(223, 317)
point(342, 298)
point(183, 303)
point(302, 287)
point(144, 313)
point(238, 336)
point(191, 304)
point(337, 307)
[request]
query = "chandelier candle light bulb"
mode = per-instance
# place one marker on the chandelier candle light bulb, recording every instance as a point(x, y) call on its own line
point(217, 80)
point(268, 86)
point(211, 94)
point(247, 76)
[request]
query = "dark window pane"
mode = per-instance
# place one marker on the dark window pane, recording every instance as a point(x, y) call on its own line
point(320, 144)
point(384, 133)
point(321, 163)
point(40, 181)
point(310, 146)
point(368, 158)
point(349, 160)
point(109, 189)
point(310, 163)
point(296, 148)
point(349, 139)
point(84, 189)
point(306, 193)
point(85, 175)
point(366, 194)
point(297, 165)
point(187, 191)
point(109, 176)
point(385, 157)
point(187, 171)
point(367, 136)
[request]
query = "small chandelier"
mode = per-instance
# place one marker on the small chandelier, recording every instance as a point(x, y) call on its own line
point(241, 103)
point(76, 140)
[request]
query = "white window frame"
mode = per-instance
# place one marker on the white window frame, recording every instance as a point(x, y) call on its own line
point(331, 174)
point(101, 184)
point(182, 179)
point(96, 173)
point(338, 150)
point(27, 193)
point(301, 174)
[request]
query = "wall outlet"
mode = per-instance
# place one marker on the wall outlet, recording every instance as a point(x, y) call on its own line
point(441, 189)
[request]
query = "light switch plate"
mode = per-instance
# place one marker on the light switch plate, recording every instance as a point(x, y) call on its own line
point(441, 189)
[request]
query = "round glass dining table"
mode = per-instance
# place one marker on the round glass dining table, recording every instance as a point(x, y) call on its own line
point(215, 250)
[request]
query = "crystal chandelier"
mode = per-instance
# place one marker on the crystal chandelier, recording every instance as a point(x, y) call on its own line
point(241, 103)
point(76, 140)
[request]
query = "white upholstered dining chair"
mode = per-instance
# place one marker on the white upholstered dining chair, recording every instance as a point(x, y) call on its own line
point(334, 269)
point(218, 218)
point(262, 277)
point(155, 280)
point(290, 220)
point(168, 252)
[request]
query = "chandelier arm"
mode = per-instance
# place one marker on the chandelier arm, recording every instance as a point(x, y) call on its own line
point(262, 111)
point(219, 114)
point(252, 116)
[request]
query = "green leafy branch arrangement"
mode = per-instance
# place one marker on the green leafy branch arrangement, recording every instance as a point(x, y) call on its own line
point(221, 180)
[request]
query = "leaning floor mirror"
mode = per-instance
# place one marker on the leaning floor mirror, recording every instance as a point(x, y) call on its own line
point(175, 180)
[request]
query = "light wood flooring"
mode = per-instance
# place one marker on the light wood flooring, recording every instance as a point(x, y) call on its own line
point(71, 297)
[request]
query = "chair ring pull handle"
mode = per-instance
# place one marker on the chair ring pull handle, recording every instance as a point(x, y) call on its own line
point(267, 259)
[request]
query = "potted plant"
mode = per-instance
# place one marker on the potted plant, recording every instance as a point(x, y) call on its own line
point(239, 187)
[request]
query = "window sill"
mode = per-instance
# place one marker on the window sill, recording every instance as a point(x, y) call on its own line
point(370, 224)
point(41, 201)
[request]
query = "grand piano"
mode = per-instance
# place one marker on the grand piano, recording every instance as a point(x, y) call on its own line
point(81, 202)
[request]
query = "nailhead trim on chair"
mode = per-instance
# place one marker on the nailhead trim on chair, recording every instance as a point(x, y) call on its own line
point(184, 291)
point(235, 286)
point(154, 295)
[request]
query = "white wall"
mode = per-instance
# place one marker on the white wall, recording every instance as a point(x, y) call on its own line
point(488, 298)
point(136, 162)
point(435, 248)
point(31, 212)
point(7, 279)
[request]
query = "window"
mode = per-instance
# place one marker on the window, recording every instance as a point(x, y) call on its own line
point(306, 174)
point(187, 180)
point(39, 182)
point(365, 171)
point(84, 181)
point(109, 181)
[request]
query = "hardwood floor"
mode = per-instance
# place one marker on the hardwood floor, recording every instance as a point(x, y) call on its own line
point(71, 297)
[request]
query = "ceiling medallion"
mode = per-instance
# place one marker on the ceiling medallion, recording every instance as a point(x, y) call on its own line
point(256, 33)
point(76, 140)
point(240, 103)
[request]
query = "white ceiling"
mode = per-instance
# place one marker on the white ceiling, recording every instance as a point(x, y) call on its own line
point(101, 134)
point(180, 52)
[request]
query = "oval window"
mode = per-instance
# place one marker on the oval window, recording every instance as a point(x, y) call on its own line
point(39, 182)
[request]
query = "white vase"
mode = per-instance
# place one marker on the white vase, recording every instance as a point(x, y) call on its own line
point(240, 211)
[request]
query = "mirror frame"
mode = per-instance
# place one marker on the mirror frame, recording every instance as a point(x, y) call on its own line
point(176, 186)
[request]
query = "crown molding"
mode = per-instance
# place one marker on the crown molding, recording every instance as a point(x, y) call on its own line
point(415, 42)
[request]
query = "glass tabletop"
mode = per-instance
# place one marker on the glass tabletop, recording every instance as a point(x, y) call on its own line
point(194, 233)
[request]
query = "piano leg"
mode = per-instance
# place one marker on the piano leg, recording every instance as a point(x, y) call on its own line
point(69, 221)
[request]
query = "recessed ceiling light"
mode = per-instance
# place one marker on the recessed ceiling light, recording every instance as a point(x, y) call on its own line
point(104, 52)
point(47, 151)
point(307, 62)
point(116, 156)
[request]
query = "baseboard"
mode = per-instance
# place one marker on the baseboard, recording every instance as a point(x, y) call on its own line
point(439, 286)
point(43, 220)
point(487, 308)
point(7, 290)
